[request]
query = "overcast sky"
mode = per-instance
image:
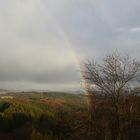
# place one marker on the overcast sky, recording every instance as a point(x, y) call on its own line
point(41, 40)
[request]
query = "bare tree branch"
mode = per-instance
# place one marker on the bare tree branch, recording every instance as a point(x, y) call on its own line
point(113, 76)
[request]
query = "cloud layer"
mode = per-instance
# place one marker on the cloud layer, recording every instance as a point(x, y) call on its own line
point(36, 35)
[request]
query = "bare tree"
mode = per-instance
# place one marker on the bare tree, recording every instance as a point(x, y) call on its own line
point(114, 78)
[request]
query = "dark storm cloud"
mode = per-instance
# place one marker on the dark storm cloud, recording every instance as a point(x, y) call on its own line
point(35, 65)
point(65, 76)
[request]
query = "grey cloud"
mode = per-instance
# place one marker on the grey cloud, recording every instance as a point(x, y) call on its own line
point(126, 13)
point(37, 64)
point(67, 75)
point(35, 35)
point(96, 30)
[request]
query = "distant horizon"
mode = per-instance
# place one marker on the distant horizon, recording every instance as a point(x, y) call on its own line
point(41, 90)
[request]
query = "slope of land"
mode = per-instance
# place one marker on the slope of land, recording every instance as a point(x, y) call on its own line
point(33, 115)
point(57, 116)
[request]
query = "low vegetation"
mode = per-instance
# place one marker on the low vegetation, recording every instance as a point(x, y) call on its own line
point(53, 116)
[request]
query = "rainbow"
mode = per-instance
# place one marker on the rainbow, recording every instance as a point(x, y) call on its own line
point(76, 57)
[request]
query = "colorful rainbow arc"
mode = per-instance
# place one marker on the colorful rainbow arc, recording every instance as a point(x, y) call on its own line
point(71, 47)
